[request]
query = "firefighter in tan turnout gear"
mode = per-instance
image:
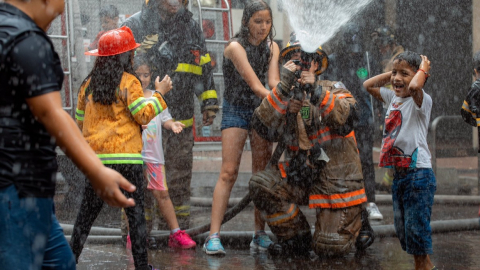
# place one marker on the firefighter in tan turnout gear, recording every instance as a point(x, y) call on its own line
point(313, 122)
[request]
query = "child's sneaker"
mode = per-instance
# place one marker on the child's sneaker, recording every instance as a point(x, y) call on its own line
point(181, 240)
point(129, 242)
point(261, 241)
point(213, 246)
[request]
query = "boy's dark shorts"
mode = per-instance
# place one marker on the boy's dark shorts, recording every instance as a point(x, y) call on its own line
point(412, 193)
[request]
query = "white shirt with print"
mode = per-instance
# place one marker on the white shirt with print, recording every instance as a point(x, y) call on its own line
point(152, 150)
point(405, 133)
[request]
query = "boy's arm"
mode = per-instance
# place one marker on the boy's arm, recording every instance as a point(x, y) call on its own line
point(418, 81)
point(374, 84)
point(106, 182)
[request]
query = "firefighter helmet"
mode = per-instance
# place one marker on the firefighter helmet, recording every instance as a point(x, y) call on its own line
point(114, 42)
point(294, 46)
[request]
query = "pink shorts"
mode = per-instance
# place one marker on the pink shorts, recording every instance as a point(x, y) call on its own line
point(155, 175)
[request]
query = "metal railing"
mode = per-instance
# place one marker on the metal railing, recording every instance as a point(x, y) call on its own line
point(433, 144)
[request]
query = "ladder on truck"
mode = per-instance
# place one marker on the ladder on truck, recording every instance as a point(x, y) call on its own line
point(216, 47)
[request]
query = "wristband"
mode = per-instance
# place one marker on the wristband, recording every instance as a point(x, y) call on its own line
point(426, 73)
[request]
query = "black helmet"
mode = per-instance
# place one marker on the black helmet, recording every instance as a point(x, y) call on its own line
point(293, 46)
point(383, 36)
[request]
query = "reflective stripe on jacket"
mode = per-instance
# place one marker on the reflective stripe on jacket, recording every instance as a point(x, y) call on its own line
point(114, 131)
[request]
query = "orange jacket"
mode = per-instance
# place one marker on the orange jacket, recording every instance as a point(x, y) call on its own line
point(114, 131)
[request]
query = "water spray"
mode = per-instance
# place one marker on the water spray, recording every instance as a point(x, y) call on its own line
point(316, 21)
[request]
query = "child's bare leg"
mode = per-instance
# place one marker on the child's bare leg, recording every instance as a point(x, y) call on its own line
point(166, 208)
point(423, 262)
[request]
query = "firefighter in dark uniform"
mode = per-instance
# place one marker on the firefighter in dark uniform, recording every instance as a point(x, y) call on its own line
point(175, 45)
point(322, 167)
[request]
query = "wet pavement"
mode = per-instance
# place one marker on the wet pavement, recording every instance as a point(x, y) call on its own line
point(451, 251)
point(455, 250)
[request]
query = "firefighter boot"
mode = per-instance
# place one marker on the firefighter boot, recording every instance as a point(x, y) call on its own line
point(366, 237)
point(300, 245)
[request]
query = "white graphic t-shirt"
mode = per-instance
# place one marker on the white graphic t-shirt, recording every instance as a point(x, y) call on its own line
point(405, 134)
point(152, 151)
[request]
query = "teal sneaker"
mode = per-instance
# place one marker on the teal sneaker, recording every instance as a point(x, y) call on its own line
point(213, 246)
point(261, 241)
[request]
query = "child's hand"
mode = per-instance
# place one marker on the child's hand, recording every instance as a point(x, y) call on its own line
point(177, 127)
point(144, 127)
point(425, 65)
point(107, 184)
point(163, 86)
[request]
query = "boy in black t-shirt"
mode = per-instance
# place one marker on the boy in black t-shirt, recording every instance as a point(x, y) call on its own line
point(32, 120)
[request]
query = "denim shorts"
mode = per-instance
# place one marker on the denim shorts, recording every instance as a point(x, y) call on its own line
point(412, 193)
point(236, 116)
point(30, 235)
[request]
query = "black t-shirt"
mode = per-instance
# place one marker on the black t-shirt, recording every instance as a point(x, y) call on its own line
point(31, 68)
point(237, 91)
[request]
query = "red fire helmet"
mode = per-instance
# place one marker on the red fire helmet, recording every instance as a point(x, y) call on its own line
point(114, 42)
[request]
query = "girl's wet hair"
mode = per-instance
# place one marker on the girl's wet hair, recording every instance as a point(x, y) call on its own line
point(106, 76)
point(141, 60)
point(251, 7)
point(413, 59)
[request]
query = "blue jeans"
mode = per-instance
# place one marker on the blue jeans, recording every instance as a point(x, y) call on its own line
point(30, 235)
point(235, 116)
point(412, 193)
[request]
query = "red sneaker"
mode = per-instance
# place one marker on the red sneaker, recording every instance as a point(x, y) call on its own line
point(181, 240)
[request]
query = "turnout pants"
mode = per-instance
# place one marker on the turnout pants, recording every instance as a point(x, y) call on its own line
point(92, 205)
point(364, 139)
point(178, 170)
point(336, 229)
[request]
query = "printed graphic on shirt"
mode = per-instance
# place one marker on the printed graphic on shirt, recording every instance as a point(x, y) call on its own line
point(392, 155)
point(152, 131)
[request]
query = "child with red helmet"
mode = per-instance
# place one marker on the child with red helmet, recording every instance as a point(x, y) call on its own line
point(111, 107)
